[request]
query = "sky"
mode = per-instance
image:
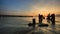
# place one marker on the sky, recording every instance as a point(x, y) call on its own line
point(29, 7)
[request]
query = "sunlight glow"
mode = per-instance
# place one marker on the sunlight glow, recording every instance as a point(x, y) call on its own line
point(45, 10)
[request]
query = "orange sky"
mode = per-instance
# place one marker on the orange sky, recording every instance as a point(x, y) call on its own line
point(30, 7)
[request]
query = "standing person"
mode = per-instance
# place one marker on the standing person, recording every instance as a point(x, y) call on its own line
point(48, 18)
point(53, 19)
point(33, 23)
point(40, 19)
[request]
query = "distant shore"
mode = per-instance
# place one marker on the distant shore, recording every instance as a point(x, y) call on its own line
point(21, 16)
point(14, 16)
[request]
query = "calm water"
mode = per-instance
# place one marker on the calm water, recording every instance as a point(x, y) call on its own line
point(12, 24)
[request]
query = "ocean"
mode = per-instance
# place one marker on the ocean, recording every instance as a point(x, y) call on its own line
point(18, 25)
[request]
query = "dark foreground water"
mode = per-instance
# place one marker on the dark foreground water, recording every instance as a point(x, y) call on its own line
point(18, 25)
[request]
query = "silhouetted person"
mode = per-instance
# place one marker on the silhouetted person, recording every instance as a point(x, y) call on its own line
point(40, 19)
point(34, 22)
point(48, 18)
point(53, 19)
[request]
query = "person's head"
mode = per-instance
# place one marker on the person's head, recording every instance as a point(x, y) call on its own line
point(52, 14)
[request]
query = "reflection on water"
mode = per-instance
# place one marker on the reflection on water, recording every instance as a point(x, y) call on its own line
point(11, 25)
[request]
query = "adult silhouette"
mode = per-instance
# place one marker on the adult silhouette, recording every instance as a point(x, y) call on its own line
point(40, 18)
point(53, 19)
point(48, 18)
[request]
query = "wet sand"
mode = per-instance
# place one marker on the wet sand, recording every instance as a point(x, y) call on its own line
point(24, 30)
point(14, 30)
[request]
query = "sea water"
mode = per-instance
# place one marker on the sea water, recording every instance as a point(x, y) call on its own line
point(8, 25)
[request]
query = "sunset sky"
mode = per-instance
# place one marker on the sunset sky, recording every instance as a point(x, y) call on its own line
point(29, 7)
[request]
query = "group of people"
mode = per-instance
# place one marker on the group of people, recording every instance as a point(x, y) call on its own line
point(51, 18)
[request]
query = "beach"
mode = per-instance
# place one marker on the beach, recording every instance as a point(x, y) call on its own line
point(18, 25)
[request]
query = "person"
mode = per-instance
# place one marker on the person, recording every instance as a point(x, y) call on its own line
point(33, 22)
point(40, 18)
point(53, 19)
point(48, 18)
